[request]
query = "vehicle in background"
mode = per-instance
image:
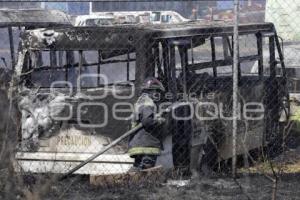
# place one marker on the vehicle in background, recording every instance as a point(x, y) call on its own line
point(94, 20)
point(254, 13)
point(167, 17)
point(132, 17)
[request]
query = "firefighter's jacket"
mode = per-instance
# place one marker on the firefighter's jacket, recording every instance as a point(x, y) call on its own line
point(147, 141)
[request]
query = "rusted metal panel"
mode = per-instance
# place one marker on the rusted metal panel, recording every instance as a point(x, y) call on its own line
point(33, 18)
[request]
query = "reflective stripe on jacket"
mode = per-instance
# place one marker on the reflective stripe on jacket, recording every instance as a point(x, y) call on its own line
point(143, 151)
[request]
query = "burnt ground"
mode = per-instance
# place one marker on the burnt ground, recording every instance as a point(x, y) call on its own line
point(252, 184)
point(246, 187)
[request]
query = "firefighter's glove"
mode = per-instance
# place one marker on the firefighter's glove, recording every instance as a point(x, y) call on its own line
point(151, 122)
point(146, 117)
point(159, 119)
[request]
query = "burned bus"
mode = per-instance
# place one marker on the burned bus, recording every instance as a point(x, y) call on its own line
point(12, 22)
point(77, 86)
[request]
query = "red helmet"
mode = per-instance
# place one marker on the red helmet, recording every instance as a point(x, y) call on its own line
point(152, 83)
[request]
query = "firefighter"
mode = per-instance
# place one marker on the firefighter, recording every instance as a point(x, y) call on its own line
point(146, 144)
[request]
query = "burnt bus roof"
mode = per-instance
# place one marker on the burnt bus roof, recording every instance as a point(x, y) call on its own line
point(128, 36)
point(207, 29)
point(33, 18)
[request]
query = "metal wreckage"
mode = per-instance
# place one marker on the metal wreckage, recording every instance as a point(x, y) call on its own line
point(67, 105)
